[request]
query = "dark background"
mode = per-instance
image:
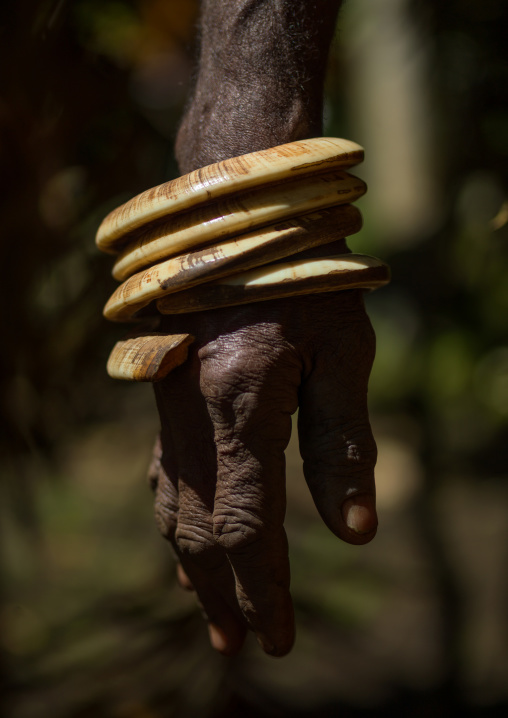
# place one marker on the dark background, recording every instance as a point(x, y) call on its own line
point(414, 624)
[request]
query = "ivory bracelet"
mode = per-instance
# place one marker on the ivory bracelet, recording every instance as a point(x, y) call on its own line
point(237, 214)
point(148, 357)
point(311, 276)
point(232, 256)
point(292, 160)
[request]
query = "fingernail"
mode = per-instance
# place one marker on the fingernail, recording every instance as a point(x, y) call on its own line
point(359, 513)
point(276, 650)
point(218, 639)
point(265, 644)
point(268, 647)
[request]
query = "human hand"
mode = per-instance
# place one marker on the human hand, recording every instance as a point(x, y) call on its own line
point(219, 471)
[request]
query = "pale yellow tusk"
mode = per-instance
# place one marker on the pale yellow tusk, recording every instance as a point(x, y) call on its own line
point(235, 255)
point(276, 164)
point(311, 276)
point(148, 357)
point(236, 214)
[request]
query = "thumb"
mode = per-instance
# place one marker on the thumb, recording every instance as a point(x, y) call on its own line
point(336, 442)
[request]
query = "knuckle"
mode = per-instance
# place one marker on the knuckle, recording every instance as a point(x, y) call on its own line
point(165, 519)
point(226, 380)
point(154, 468)
point(237, 533)
point(195, 543)
point(240, 364)
point(165, 505)
point(245, 377)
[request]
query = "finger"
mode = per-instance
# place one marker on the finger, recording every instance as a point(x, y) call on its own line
point(166, 506)
point(226, 628)
point(162, 476)
point(190, 466)
point(204, 563)
point(152, 475)
point(202, 566)
point(336, 441)
point(250, 400)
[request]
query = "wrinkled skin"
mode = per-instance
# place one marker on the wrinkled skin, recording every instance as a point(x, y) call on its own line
point(218, 469)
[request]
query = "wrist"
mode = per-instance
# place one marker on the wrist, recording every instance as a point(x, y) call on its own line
point(261, 75)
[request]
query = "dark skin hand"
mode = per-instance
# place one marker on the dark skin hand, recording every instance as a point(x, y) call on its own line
point(218, 469)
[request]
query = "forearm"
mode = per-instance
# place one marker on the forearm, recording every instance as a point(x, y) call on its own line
point(260, 78)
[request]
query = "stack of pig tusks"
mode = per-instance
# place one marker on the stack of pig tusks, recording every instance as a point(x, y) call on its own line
point(216, 237)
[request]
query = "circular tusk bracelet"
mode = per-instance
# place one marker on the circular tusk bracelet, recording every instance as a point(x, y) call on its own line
point(308, 276)
point(289, 161)
point(236, 214)
point(247, 251)
point(218, 236)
